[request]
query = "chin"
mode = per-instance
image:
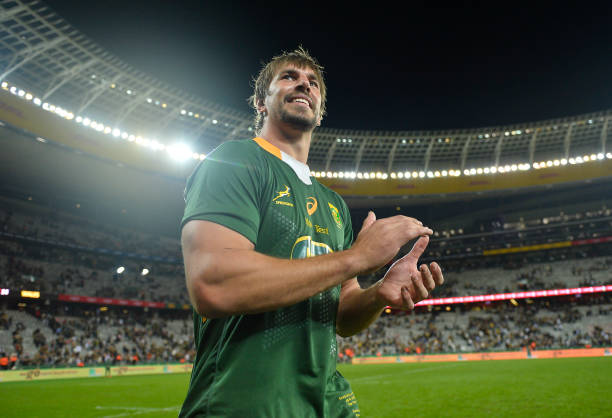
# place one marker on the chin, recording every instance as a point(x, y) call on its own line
point(301, 122)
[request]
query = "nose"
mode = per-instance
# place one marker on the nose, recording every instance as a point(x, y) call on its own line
point(304, 83)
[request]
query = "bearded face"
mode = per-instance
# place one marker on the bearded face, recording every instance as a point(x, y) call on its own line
point(294, 98)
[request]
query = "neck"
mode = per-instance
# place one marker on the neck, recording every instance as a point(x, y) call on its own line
point(293, 142)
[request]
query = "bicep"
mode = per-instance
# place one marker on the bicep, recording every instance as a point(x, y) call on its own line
point(205, 236)
point(201, 241)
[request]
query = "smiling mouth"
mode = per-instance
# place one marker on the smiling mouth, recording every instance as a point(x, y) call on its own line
point(300, 101)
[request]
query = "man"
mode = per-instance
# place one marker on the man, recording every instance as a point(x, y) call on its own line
point(269, 265)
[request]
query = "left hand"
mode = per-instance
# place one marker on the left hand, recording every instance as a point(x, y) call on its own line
point(404, 285)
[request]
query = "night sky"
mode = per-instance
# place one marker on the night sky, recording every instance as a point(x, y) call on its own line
point(423, 67)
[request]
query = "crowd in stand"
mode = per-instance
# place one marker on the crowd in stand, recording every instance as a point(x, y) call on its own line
point(52, 337)
point(498, 328)
point(95, 339)
point(33, 221)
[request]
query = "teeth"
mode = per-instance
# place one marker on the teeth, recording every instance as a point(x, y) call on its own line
point(302, 101)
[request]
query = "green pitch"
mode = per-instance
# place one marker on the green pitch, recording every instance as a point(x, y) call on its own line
point(517, 388)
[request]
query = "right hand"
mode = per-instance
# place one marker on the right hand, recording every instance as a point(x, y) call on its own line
point(380, 240)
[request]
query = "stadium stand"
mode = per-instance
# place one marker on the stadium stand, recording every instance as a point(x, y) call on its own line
point(52, 333)
point(517, 207)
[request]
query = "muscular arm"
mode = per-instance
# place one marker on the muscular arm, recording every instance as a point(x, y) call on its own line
point(226, 276)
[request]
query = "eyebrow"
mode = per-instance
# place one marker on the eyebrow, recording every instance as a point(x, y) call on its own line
point(311, 74)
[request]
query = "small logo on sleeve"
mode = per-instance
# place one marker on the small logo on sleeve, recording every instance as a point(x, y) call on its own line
point(336, 215)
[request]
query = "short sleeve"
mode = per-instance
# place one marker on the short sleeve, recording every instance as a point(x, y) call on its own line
point(348, 227)
point(348, 224)
point(225, 189)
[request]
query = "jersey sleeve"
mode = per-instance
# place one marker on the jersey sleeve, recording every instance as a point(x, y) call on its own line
point(348, 225)
point(225, 189)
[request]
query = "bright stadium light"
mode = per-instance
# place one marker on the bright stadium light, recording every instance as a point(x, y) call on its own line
point(120, 269)
point(179, 152)
point(144, 271)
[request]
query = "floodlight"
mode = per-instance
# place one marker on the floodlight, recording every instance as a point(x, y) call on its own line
point(120, 269)
point(179, 152)
point(144, 271)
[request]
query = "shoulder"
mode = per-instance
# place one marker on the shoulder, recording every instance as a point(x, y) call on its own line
point(231, 155)
point(332, 195)
point(245, 149)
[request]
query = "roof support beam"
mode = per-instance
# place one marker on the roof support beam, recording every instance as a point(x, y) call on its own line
point(10, 13)
point(125, 110)
point(498, 148)
point(464, 152)
point(428, 154)
point(330, 154)
point(392, 155)
point(360, 154)
point(66, 76)
point(532, 146)
point(95, 93)
point(567, 141)
point(604, 134)
point(31, 53)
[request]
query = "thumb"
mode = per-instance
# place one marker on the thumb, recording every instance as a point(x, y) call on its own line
point(368, 221)
point(418, 248)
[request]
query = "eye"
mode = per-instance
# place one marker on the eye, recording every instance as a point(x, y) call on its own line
point(287, 77)
point(314, 83)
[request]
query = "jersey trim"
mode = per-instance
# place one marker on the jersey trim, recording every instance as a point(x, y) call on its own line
point(269, 147)
point(301, 170)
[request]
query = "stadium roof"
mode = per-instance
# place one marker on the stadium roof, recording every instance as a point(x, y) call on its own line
point(42, 53)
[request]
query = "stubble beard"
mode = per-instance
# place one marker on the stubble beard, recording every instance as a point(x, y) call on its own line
point(299, 121)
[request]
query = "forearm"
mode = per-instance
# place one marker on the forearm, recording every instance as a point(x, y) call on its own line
point(232, 282)
point(358, 308)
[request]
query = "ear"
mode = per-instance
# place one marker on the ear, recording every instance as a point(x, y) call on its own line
point(319, 120)
point(261, 106)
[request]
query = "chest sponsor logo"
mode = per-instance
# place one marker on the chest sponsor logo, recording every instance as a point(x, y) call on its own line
point(336, 215)
point(305, 247)
point(311, 205)
point(283, 194)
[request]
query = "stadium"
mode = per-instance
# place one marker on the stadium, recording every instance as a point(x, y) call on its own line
point(93, 163)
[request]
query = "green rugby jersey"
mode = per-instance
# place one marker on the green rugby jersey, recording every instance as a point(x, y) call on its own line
point(280, 363)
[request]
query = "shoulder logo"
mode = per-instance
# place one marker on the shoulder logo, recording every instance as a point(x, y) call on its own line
point(336, 215)
point(281, 194)
point(311, 205)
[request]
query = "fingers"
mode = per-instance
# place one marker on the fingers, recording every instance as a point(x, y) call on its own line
point(369, 220)
point(419, 289)
point(437, 273)
point(406, 299)
point(427, 278)
point(418, 248)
